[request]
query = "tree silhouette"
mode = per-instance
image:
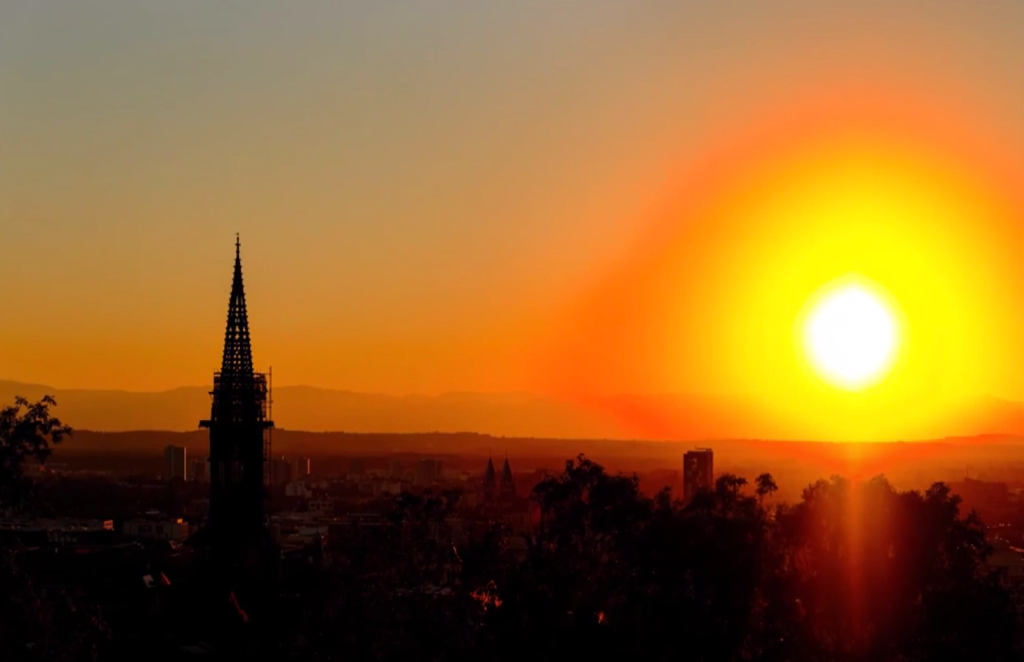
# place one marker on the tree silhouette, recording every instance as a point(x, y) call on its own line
point(765, 486)
point(42, 624)
point(852, 572)
point(886, 575)
point(25, 435)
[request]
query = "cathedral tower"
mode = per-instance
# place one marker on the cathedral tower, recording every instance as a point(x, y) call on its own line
point(239, 430)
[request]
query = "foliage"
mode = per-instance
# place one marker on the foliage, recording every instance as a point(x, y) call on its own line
point(381, 599)
point(28, 434)
point(851, 572)
point(45, 625)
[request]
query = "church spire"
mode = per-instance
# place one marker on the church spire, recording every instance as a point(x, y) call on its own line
point(490, 479)
point(237, 358)
point(507, 486)
point(238, 423)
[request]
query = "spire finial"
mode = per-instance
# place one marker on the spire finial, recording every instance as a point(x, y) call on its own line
point(237, 351)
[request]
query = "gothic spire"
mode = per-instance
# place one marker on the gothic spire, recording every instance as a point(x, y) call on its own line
point(237, 348)
point(508, 484)
point(490, 479)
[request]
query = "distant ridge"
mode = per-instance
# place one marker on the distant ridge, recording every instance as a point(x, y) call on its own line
point(300, 441)
point(523, 415)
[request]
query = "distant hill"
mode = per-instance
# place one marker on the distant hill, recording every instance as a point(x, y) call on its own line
point(505, 414)
point(470, 443)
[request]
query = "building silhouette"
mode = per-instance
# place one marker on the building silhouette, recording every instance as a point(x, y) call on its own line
point(429, 471)
point(197, 470)
point(507, 486)
point(497, 487)
point(490, 481)
point(698, 471)
point(281, 470)
point(235, 543)
point(175, 459)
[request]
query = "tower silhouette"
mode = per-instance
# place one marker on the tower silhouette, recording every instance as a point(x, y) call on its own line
point(236, 535)
point(507, 487)
point(490, 480)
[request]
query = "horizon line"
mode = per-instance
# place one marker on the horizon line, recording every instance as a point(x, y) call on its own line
point(704, 440)
point(439, 394)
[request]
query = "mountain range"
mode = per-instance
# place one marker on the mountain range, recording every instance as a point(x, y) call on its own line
point(678, 417)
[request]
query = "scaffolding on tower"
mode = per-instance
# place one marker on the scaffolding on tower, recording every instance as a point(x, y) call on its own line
point(268, 471)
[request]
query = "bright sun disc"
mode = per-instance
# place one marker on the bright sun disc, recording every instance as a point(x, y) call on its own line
point(850, 336)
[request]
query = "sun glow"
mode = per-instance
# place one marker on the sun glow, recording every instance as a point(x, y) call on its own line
point(857, 280)
point(850, 336)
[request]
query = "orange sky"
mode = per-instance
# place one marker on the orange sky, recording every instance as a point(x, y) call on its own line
point(593, 198)
point(893, 192)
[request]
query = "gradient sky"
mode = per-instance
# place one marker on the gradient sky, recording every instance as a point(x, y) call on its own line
point(432, 195)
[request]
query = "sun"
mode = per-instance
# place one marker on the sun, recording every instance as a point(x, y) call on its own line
point(850, 334)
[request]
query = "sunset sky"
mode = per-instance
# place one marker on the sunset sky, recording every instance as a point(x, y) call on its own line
point(569, 197)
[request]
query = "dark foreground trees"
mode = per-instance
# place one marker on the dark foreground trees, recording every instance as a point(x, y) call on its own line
point(37, 624)
point(851, 572)
point(45, 625)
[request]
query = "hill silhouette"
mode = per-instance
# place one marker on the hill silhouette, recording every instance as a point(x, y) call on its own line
point(665, 417)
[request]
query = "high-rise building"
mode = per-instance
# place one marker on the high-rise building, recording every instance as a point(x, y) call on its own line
point(698, 471)
point(175, 459)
